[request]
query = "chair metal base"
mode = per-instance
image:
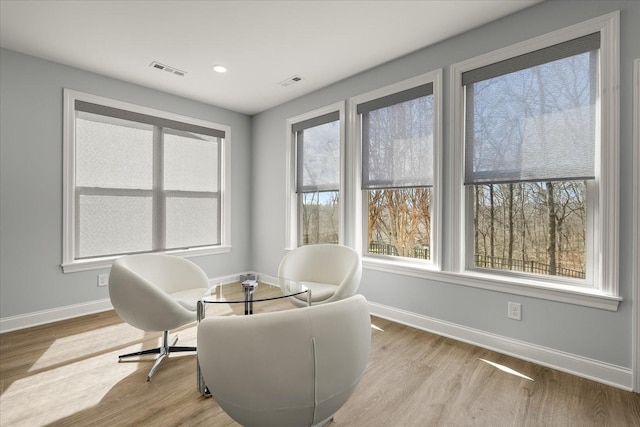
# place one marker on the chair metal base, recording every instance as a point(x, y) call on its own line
point(162, 352)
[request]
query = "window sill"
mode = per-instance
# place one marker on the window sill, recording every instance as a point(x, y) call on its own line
point(529, 288)
point(105, 262)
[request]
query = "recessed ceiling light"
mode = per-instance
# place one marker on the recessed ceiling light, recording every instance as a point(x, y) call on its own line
point(219, 68)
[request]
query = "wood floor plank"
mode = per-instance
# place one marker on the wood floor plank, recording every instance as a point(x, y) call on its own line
point(66, 374)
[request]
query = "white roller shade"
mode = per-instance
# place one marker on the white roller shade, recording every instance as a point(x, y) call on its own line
point(318, 151)
point(397, 139)
point(533, 117)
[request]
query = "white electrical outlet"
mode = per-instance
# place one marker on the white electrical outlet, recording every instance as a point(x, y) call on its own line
point(103, 279)
point(514, 311)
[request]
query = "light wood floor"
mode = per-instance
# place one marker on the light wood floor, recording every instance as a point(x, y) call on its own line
point(66, 373)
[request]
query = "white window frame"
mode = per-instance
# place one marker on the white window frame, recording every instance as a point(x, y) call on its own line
point(635, 276)
point(292, 200)
point(603, 290)
point(399, 265)
point(69, 263)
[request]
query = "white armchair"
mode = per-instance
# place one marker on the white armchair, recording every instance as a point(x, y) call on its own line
point(156, 292)
point(288, 368)
point(331, 272)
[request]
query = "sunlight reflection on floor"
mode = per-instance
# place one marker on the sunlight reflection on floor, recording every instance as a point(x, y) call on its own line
point(76, 372)
point(54, 394)
point(69, 348)
point(507, 369)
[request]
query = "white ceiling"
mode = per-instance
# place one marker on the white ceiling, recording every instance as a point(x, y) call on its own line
point(261, 42)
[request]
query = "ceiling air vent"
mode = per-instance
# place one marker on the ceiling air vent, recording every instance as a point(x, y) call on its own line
point(290, 81)
point(168, 69)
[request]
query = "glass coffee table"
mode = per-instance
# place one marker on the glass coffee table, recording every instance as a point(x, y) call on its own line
point(239, 299)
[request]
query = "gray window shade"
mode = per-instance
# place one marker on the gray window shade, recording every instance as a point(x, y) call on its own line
point(533, 117)
point(102, 110)
point(397, 140)
point(395, 98)
point(318, 153)
point(573, 47)
point(315, 121)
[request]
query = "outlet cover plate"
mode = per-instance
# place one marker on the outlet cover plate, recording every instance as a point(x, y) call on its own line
point(514, 311)
point(103, 279)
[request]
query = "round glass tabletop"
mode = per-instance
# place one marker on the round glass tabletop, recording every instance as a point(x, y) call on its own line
point(266, 288)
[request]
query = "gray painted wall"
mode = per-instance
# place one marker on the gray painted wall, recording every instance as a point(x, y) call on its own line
point(31, 105)
point(592, 333)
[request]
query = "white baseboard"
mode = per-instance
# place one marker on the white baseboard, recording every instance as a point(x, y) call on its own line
point(13, 323)
point(605, 373)
point(28, 320)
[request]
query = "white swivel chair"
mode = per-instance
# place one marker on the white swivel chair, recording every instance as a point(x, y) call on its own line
point(331, 272)
point(156, 292)
point(286, 368)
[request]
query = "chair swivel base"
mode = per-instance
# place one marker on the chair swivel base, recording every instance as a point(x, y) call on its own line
point(162, 352)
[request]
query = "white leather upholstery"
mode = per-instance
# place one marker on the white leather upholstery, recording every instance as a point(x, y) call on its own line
point(156, 292)
point(287, 368)
point(331, 272)
point(141, 288)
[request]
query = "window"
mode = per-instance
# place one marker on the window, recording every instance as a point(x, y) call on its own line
point(536, 151)
point(398, 131)
point(530, 157)
point(139, 180)
point(316, 145)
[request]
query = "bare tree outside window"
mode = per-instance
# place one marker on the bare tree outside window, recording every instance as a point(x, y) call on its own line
point(321, 217)
point(400, 222)
point(531, 227)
